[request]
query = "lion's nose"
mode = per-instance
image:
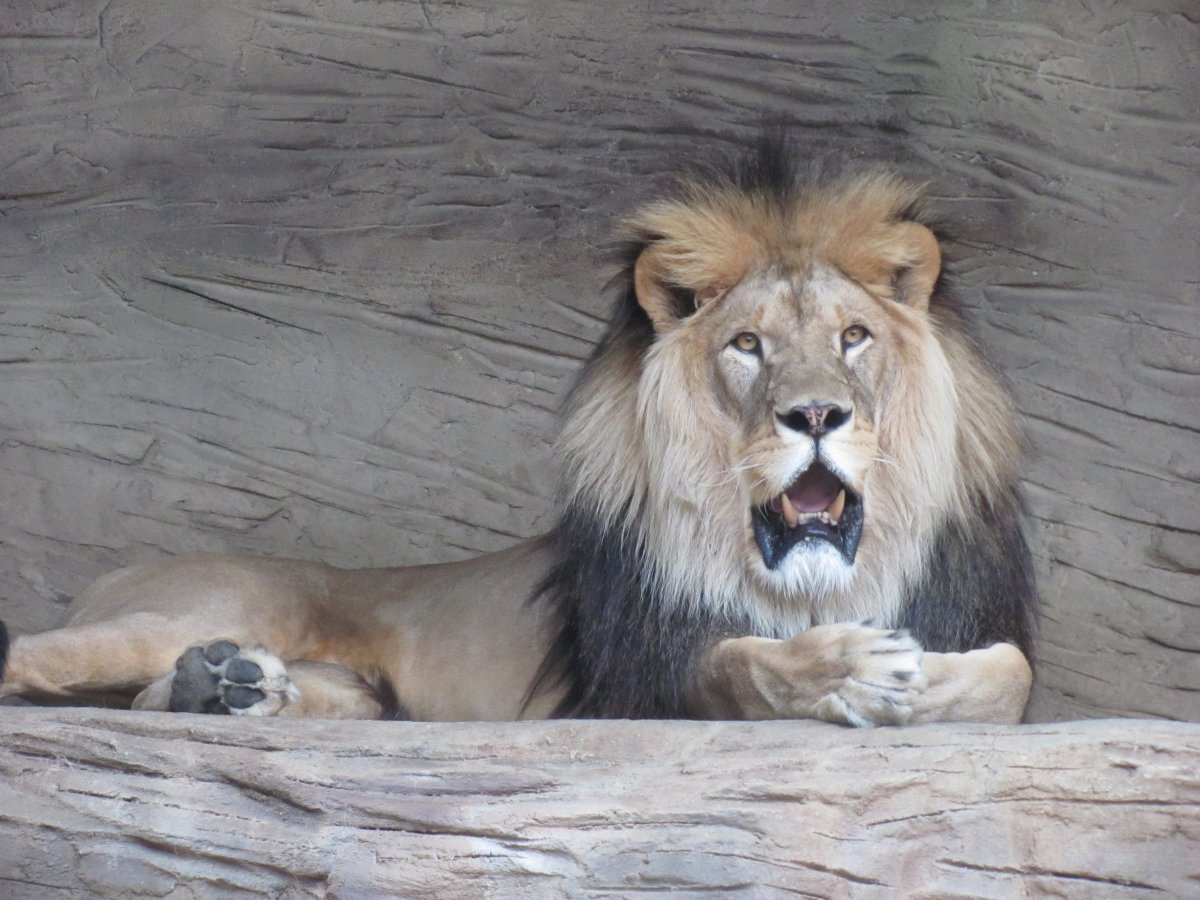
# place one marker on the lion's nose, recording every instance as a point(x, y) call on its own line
point(815, 419)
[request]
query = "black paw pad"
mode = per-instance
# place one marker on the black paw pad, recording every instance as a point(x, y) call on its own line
point(242, 671)
point(194, 686)
point(238, 696)
point(219, 651)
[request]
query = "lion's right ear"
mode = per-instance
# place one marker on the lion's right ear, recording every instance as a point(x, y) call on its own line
point(666, 302)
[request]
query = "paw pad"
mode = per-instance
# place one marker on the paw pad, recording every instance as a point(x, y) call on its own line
point(219, 651)
point(222, 678)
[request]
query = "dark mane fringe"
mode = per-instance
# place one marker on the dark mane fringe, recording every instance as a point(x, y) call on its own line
point(619, 652)
point(773, 168)
point(779, 169)
point(978, 588)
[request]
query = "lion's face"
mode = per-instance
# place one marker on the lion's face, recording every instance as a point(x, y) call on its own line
point(797, 361)
point(798, 369)
point(790, 368)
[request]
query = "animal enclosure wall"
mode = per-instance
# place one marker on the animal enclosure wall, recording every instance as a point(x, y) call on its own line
point(310, 278)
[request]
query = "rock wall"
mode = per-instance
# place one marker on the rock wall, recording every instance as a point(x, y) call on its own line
point(310, 277)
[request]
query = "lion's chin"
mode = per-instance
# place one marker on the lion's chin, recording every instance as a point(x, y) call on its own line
point(816, 510)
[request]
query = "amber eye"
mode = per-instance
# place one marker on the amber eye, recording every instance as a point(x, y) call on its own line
point(747, 342)
point(854, 335)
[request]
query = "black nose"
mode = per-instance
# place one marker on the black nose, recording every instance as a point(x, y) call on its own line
point(815, 419)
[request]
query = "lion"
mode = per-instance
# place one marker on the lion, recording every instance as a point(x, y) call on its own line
point(789, 490)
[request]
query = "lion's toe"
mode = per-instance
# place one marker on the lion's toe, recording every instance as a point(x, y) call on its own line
point(883, 678)
point(220, 651)
point(240, 698)
point(256, 683)
point(195, 686)
point(862, 708)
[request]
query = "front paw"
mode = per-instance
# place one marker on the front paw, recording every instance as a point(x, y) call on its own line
point(871, 676)
point(985, 685)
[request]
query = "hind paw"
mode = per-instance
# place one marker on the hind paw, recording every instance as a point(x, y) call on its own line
point(224, 679)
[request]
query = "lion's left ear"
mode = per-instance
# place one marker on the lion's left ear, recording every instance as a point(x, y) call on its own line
point(920, 266)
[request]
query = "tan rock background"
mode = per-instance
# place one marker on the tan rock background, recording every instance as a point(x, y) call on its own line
point(310, 277)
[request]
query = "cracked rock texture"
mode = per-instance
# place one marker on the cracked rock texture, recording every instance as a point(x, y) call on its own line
point(126, 804)
point(311, 277)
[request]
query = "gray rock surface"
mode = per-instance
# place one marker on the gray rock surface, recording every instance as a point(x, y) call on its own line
point(311, 277)
point(132, 804)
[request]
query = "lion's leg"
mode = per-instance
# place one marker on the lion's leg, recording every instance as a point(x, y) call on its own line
point(989, 685)
point(857, 675)
point(848, 673)
point(329, 691)
point(222, 678)
point(120, 655)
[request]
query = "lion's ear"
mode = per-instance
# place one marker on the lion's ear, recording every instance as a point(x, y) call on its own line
point(664, 303)
point(922, 264)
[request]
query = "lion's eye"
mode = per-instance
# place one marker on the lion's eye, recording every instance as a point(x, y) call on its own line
point(854, 335)
point(747, 342)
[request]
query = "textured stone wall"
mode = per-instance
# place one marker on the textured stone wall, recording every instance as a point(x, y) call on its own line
point(310, 277)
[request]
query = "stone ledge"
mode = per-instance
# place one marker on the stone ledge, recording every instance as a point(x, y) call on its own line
point(126, 804)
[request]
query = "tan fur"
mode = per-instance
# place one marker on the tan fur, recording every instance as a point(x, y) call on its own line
point(673, 448)
point(846, 674)
point(455, 641)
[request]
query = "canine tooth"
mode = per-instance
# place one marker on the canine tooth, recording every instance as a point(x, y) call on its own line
point(838, 505)
point(789, 511)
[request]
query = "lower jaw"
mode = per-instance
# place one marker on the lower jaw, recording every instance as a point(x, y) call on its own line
point(776, 542)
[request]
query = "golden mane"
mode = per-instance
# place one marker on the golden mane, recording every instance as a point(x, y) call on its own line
point(716, 232)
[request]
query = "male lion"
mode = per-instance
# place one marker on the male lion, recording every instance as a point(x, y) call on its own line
point(790, 490)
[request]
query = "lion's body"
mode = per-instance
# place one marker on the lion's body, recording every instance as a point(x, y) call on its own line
point(440, 638)
point(785, 431)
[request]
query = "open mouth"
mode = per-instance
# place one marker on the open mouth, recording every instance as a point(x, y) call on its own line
point(816, 508)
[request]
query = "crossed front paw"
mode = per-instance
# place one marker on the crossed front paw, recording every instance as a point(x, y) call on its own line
point(223, 678)
point(871, 676)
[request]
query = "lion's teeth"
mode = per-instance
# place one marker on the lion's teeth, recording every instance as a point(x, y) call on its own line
point(837, 506)
point(789, 511)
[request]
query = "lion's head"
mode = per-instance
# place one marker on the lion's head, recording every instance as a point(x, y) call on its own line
point(786, 408)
